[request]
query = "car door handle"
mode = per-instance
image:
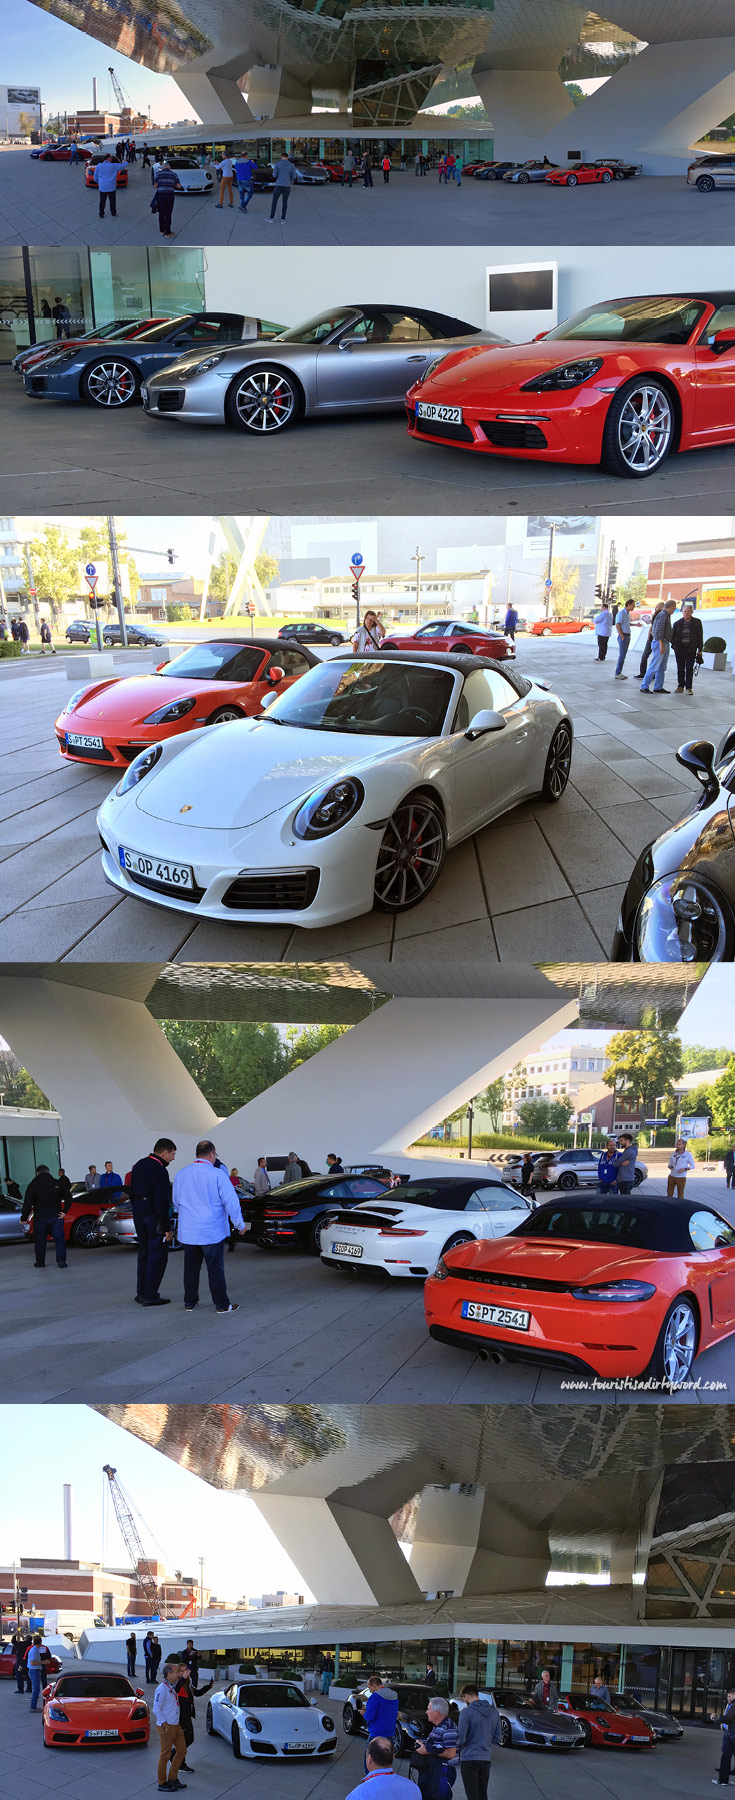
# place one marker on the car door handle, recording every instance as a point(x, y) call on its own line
point(416, 358)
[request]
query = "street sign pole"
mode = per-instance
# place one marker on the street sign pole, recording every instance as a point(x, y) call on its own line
point(357, 570)
point(91, 577)
point(117, 582)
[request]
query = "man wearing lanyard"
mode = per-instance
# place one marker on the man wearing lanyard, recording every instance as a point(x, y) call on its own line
point(205, 1201)
point(171, 1737)
point(150, 1198)
point(380, 1781)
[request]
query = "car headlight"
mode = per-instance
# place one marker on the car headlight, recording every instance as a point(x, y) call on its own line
point(139, 768)
point(615, 1290)
point(57, 1712)
point(441, 1272)
point(568, 375)
point(139, 1712)
point(329, 808)
point(176, 709)
point(75, 699)
point(430, 369)
point(210, 362)
point(683, 920)
point(327, 1723)
point(253, 1726)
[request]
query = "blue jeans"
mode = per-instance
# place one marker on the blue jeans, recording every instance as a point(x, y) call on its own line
point(656, 667)
point(623, 648)
point(243, 188)
point(152, 1251)
point(326, 1681)
point(36, 1682)
point(214, 1257)
point(285, 195)
point(41, 1230)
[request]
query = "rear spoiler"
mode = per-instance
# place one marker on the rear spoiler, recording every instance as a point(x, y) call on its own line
point(361, 1218)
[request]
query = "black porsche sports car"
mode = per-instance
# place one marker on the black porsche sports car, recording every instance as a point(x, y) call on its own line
point(679, 905)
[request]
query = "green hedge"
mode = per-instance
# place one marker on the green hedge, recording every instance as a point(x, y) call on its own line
point(8, 648)
point(703, 1150)
point(506, 1141)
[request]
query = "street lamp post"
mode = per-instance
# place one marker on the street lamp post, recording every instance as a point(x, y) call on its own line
point(655, 1115)
point(418, 559)
point(470, 1118)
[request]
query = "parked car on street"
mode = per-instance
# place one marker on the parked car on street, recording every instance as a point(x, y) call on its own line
point(530, 1727)
point(405, 1232)
point(606, 1729)
point(569, 1169)
point(270, 1719)
point(412, 1722)
point(12, 1229)
point(78, 632)
point(455, 635)
point(710, 172)
point(664, 1726)
point(305, 633)
point(292, 1217)
point(88, 1708)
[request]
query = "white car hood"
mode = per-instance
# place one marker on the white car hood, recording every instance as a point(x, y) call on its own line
point(232, 776)
point(286, 1724)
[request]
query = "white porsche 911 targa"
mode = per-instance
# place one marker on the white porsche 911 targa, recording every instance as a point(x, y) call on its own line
point(270, 1718)
point(345, 794)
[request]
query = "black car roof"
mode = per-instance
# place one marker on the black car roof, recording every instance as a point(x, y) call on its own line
point(715, 297)
point(666, 1220)
point(260, 643)
point(442, 659)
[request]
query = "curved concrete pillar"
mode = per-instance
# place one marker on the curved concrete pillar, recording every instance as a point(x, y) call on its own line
point(523, 105)
point(276, 93)
point(654, 108)
point(346, 1555)
point(215, 96)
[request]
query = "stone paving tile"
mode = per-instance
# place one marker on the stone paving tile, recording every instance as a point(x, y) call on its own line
point(132, 932)
point(213, 940)
point(589, 858)
point(649, 778)
point(602, 907)
point(518, 867)
point(462, 942)
point(635, 824)
point(85, 882)
point(557, 931)
point(373, 931)
point(56, 929)
point(457, 898)
point(602, 787)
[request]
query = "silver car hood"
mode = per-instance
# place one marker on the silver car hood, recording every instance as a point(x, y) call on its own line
point(234, 775)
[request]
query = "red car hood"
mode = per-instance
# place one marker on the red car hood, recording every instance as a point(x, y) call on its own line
point(563, 1259)
point(129, 701)
point(486, 372)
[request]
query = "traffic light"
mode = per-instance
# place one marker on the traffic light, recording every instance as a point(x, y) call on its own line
point(599, 590)
point(171, 554)
point(356, 591)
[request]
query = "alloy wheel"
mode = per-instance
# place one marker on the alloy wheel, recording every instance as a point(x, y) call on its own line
point(645, 427)
point(680, 1343)
point(110, 384)
point(559, 763)
point(265, 401)
point(410, 856)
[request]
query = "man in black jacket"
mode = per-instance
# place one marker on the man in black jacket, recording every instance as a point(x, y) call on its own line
point(687, 638)
point(43, 1199)
point(728, 1741)
point(150, 1195)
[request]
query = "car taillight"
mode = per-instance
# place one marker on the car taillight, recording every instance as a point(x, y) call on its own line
point(399, 1231)
point(271, 1213)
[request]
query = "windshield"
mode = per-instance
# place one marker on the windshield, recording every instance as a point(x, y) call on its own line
point(375, 699)
point(593, 1225)
point(652, 320)
point(314, 331)
point(266, 1693)
point(93, 1687)
point(216, 662)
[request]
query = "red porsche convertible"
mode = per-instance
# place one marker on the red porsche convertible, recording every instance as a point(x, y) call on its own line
point(624, 383)
point(456, 635)
point(581, 173)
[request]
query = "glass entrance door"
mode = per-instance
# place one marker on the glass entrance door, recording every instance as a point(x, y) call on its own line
point(696, 1682)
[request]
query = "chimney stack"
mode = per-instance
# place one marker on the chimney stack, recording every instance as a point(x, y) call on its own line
point(67, 1522)
point(94, 93)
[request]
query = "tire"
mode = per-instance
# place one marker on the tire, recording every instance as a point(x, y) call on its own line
point(420, 819)
point(463, 650)
point(84, 1231)
point(236, 1745)
point(209, 1721)
point(110, 383)
point(460, 1237)
point(606, 176)
point(587, 1731)
point(624, 442)
point(558, 765)
point(547, 632)
point(572, 181)
point(349, 1718)
point(619, 175)
point(638, 1178)
point(705, 183)
point(677, 1343)
point(268, 393)
point(225, 713)
point(523, 179)
point(506, 1733)
point(336, 641)
point(398, 1741)
point(567, 1182)
point(317, 1226)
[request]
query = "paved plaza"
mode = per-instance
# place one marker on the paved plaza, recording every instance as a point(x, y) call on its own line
point(68, 457)
point(303, 1333)
point(544, 882)
point(29, 1772)
point(48, 203)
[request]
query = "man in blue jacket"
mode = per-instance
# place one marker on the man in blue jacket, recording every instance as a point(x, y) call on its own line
point(607, 1168)
point(150, 1196)
point(479, 1729)
point(381, 1710)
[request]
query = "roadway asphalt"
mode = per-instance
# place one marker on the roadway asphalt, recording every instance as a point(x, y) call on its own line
point(48, 203)
point(72, 458)
point(542, 882)
point(302, 1333)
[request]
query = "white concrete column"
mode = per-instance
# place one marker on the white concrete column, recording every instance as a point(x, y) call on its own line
point(275, 93)
point(345, 1555)
point(510, 1554)
point(524, 105)
point(108, 1069)
point(655, 108)
point(445, 1538)
point(391, 1077)
point(215, 97)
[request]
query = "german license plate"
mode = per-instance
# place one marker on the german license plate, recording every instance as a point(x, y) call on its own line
point(508, 1316)
point(300, 1746)
point(640, 1740)
point(166, 874)
point(347, 1249)
point(446, 415)
point(80, 742)
point(90, 1734)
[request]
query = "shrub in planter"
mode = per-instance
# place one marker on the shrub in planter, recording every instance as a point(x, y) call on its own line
point(8, 648)
point(716, 644)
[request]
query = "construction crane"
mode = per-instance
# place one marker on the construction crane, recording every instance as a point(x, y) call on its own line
point(134, 1546)
point(121, 97)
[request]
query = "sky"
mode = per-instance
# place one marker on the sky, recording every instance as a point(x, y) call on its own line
point(41, 51)
point(189, 1519)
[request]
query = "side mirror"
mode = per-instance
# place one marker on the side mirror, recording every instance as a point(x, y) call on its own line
point(140, 1693)
point(275, 675)
point(350, 343)
point(268, 699)
point(726, 746)
point(540, 335)
point(699, 759)
point(722, 341)
point(484, 722)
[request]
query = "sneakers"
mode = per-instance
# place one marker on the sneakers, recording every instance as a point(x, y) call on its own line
point(661, 690)
point(160, 1300)
point(139, 1299)
point(679, 690)
point(234, 1306)
point(192, 1308)
point(621, 677)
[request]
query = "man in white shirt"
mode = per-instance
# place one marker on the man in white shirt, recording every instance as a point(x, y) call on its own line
point(205, 1202)
point(225, 170)
point(35, 1664)
point(680, 1162)
point(171, 1737)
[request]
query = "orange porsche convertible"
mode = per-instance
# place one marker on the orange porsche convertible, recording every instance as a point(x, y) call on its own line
point(610, 1284)
point(110, 721)
point(85, 1708)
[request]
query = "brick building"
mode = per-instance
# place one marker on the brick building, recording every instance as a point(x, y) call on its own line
point(56, 1585)
point(692, 568)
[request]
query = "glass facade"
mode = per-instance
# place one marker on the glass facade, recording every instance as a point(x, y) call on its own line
point(20, 1157)
point(49, 294)
point(692, 1684)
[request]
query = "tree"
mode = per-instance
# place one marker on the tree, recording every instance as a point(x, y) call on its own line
point(230, 1062)
point(17, 1087)
point(267, 569)
point(701, 1056)
point(27, 123)
point(307, 1043)
point(94, 546)
point(222, 575)
point(644, 1064)
point(633, 589)
point(176, 612)
point(492, 1102)
point(698, 1103)
point(54, 562)
point(539, 1117)
point(564, 584)
point(575, 92)
point(722, 1096)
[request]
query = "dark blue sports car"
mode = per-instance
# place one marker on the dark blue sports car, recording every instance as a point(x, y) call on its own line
point(110, 375)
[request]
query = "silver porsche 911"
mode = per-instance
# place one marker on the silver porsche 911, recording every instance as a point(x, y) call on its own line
point(350, 359)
